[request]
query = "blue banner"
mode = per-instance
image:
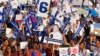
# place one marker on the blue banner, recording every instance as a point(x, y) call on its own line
point(17, 29)
point(77, 32)
point(27, 26)
point(66, 23)
point(56, 13)
point(39, 22)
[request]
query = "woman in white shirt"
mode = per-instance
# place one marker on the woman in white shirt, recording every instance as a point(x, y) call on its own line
point(55, 35)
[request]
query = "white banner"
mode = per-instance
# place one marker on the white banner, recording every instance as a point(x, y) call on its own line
point(43, 8)
point(19, 17)
point(69, 51)
point(23, 45)
point(64, 51)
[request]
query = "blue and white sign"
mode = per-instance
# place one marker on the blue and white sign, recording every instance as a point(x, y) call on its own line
point(43, 8)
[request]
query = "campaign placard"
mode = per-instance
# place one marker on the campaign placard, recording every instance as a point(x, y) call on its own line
point(43, 8)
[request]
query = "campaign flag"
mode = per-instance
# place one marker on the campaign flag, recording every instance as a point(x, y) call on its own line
point(27, 26)
point(43, 8)
point(39, 22)
point(52, 21)
point(18, 30)
point(16, 27)
point(32, 13)
point(77, 32)
point(34, 21)
point(66, 23)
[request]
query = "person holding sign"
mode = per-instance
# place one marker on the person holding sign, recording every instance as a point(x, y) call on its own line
point(57, 36)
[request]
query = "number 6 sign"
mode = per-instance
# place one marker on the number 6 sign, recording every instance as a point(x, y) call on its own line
point(43, 7)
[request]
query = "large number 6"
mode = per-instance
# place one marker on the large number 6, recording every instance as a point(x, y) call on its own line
point(43, 7)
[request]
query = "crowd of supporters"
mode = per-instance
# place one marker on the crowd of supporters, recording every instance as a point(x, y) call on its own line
point(55, 26)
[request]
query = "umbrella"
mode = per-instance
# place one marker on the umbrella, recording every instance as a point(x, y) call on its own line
point(93, 12)
point(82, 11)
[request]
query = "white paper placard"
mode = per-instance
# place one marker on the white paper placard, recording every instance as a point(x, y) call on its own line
point(69, 51)
point(64, 51)
point(9, 33)
point(43, 8)
point(19, 17)
point(74, 51)
point(23, 45)
point(8, 30)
